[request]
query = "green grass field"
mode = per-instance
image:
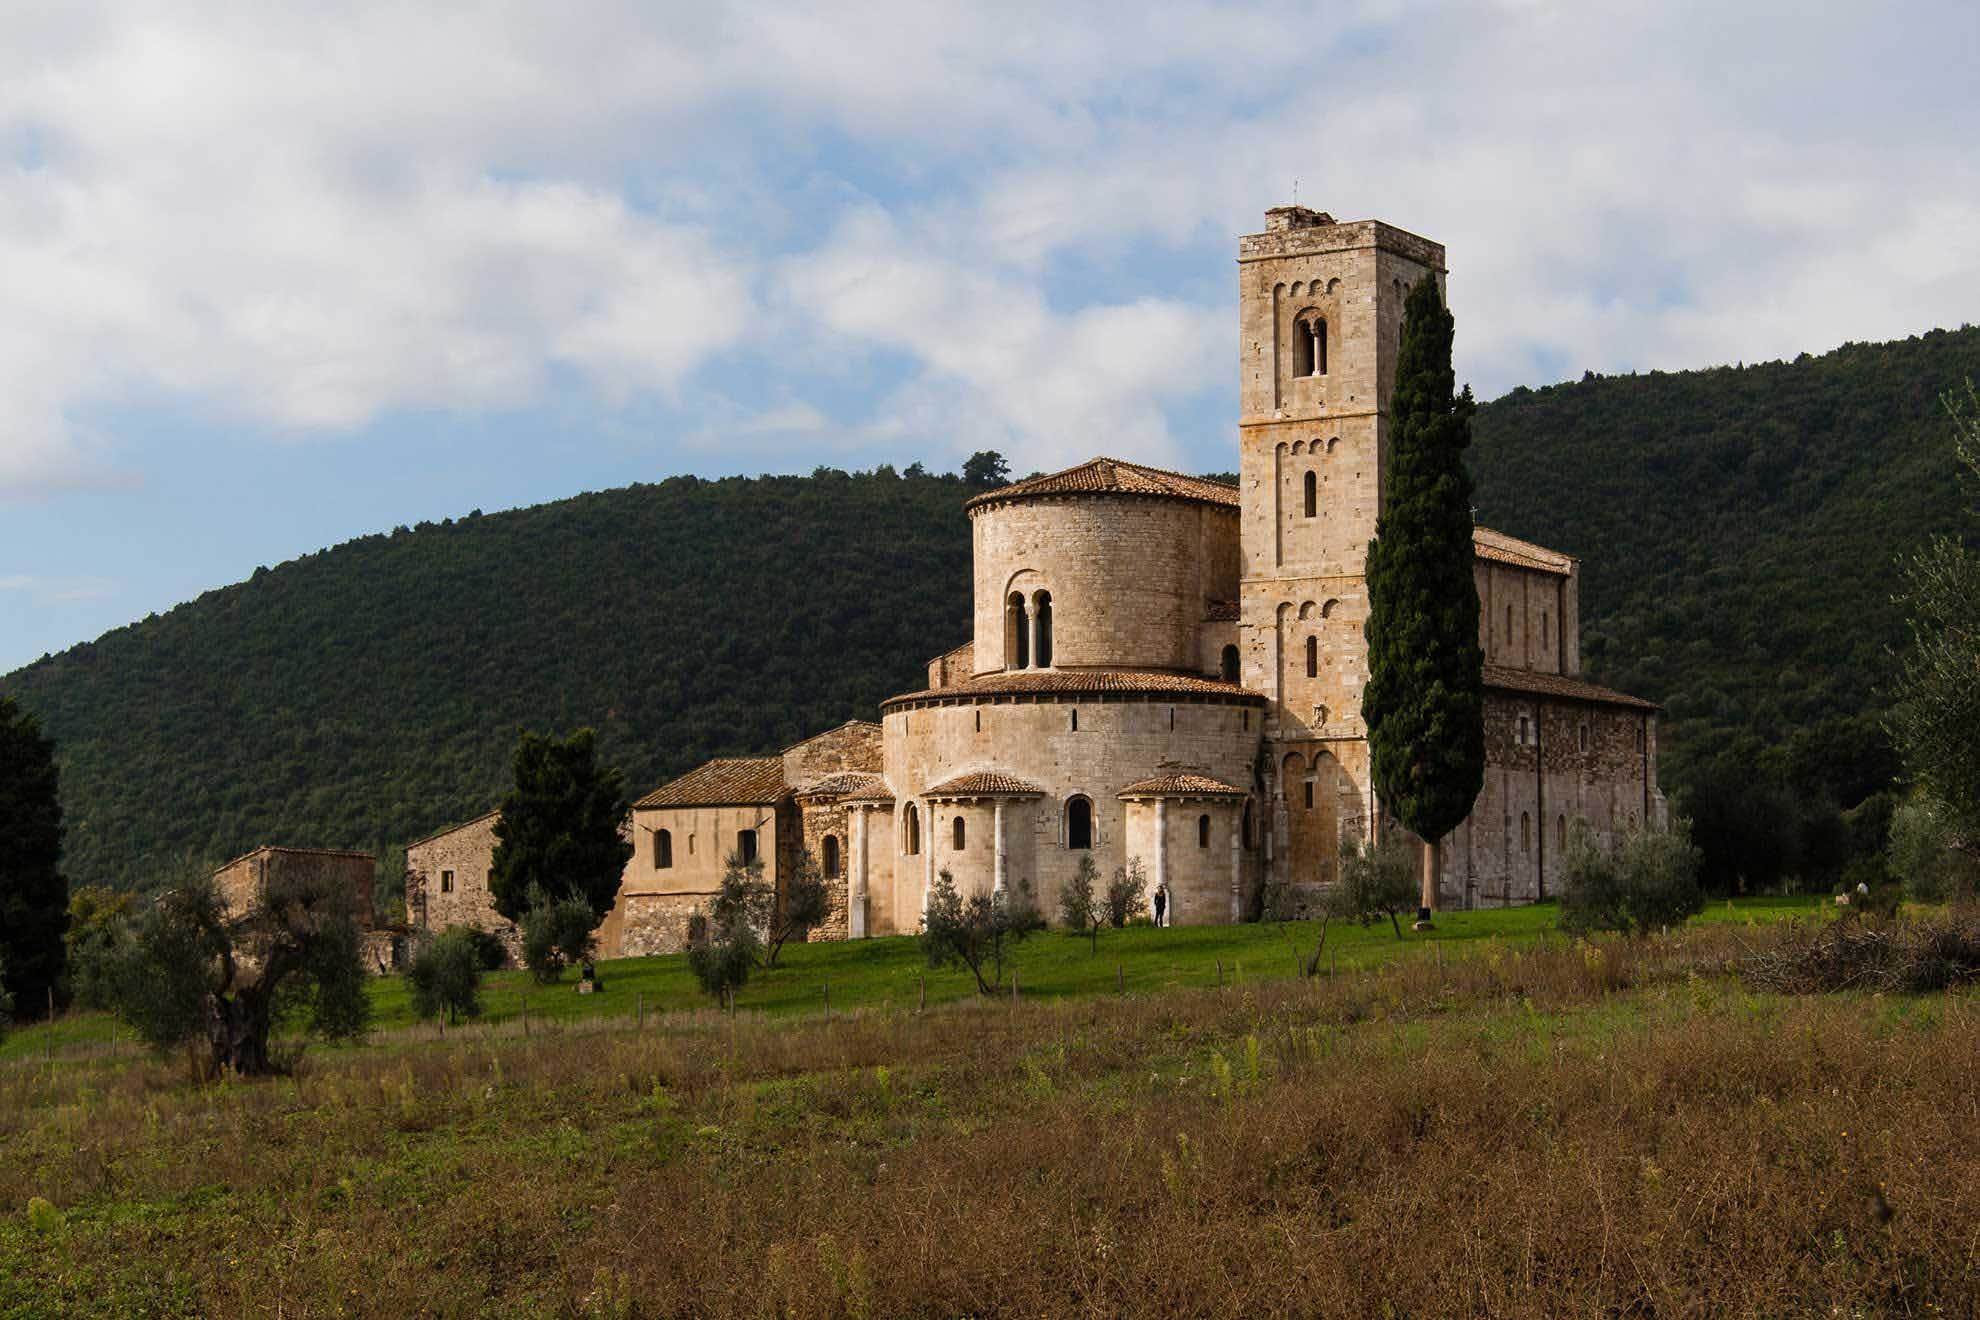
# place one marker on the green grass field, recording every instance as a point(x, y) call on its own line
point(891, 972)
point(1484, 1122)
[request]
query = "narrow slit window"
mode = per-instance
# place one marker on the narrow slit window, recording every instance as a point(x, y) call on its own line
point(958, 833)
point(1313, 657)
point(1203, 831)
point(1312, 495)
point(1017, 634)
point(446, 882)
point(1041, 650)
point(911, 830)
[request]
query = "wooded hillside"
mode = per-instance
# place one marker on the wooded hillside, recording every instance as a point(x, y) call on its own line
point(1737, 527)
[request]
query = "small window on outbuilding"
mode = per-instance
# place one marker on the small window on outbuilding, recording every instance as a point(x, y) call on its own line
point(1203, 831)
point(956, 830)
point(446, 882)
point(1079, 823)
point(746, 845)
point(663, 849)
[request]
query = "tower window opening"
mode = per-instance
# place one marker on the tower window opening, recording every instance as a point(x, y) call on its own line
point(1203, 831)
point(1075, 719)
point(979, 721)
point(1312, 495)
point(956, 830)
point(663, 849)
point(1017, 634)
point(1310, 346)
point(1229, 664)
point(1079, 823)
point(1041, 651)
point(1308, 786)
point(1313, 657)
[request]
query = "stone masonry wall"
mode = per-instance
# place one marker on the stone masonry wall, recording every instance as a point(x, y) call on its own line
point(447, 883)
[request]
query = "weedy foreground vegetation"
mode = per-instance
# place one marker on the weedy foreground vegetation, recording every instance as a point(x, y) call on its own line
point(1610, 1127)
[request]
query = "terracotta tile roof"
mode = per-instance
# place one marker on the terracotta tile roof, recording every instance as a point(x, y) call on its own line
point(1111, 476)
point(1497, 546)
point(723, 782)
point(842, 783)
point(849, 724)
point(983, 783)
point(441, 834)
point(877, 791)
point(1220, 611)
point(1559, 685)
point(1080, 681)
point(1180, 783)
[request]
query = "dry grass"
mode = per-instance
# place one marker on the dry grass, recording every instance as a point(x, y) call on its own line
point(1610, 1130)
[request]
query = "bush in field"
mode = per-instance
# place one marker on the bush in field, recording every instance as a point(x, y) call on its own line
point(1127, 894)
point(488, 948)
point(1376, 882)
point(732, 936)
point(556, 932)
point(1646, 881)
point(1912, 957)
point(801, 907)
point(99, 935)
point(1080, 909)
point(1925, 854)
point(977, 932)
point(446, 976)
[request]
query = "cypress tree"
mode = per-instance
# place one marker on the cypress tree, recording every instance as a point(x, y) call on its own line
point(34, 897)
point(1425, 700)
point(559, 828)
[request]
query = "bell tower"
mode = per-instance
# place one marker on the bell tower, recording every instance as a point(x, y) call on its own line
point(1320, 308)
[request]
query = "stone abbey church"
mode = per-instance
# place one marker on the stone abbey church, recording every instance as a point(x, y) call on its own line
point(1162, 668)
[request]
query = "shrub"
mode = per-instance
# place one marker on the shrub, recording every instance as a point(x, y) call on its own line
point(1376, 882)
point(730, 938)
point(446, 976)
point(801, 907)
point(1080, 908)
point(977, 932)
point(489, 950)
point(1127, 894)
point(1647, 881)
point(1925, 854)
point(555, 933)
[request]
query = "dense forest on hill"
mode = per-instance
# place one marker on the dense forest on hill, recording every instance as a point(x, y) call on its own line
point(1738, 529)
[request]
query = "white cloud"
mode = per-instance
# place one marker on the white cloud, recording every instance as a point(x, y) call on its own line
point(306, 216)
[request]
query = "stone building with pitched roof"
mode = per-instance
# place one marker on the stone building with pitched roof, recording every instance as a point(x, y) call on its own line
point(1169, 670)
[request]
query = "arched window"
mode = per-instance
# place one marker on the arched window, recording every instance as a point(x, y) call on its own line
point(1017, 634)
point(1310, 346)
point(1525, 832)
point(1042, 607)
point(1079, 823)
point(663, 849)
point(911, 830)
point(1312, 495)
point(828, 853)
point(956, 829)
point(1313, 657)
point(1203, 831)
point(690, 845)
point(1229, 665)
point(746, 845)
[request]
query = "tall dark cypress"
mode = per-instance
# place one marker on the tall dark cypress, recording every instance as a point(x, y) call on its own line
point(1425, 700)
point(34, 898)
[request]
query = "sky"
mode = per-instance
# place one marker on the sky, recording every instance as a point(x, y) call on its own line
point(274, 276)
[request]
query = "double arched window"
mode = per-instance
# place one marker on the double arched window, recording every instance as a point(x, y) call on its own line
point(1079, 823)
point(1028, 631)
